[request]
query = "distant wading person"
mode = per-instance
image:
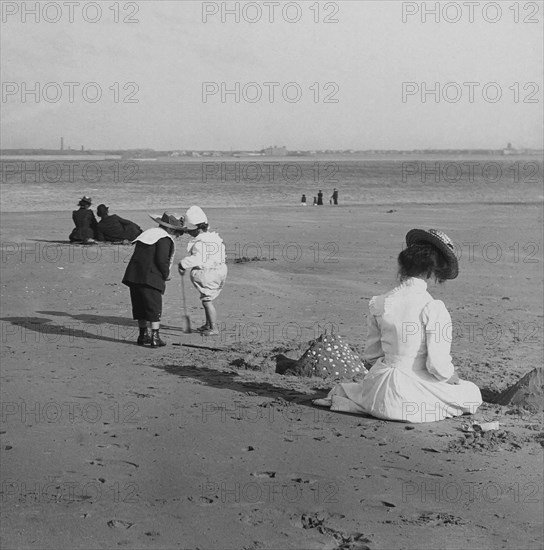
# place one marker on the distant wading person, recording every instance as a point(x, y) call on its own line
point(412, 378)
point(114, 228)
point(320, 198)
point(334, 196)
point(85, 223)
point(147, 273)
point(206, 263)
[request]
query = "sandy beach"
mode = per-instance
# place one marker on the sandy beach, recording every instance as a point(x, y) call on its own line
point(201, 445)
point(413, 115)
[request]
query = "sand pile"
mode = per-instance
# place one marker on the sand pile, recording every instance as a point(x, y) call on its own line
point(327, 357)
point(528, 392)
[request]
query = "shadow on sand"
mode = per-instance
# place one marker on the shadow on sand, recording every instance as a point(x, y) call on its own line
point(232, 381)
point(47, 331)
point(93, 319)
point(87, 326)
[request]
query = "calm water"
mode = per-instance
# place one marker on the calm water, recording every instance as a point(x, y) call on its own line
point(152, 185)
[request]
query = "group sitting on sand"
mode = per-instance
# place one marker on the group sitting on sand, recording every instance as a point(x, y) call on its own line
point(110, 228)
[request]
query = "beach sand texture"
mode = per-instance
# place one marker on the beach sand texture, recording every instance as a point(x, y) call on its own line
point(200, 444)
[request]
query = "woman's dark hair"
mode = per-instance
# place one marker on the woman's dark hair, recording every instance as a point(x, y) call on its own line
point(422, 260)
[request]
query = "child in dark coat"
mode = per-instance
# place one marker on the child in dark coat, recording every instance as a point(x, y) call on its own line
point(147, 273)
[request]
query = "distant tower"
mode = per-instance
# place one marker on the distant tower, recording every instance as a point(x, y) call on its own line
point(62, 144)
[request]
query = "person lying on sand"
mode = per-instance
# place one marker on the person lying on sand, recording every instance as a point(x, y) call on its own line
point(147, 273)
point(113, 228)
point(411, 377)
point(85, 223)
point(207, 265)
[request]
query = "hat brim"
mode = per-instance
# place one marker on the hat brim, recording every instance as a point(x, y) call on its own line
point(190, 227)
point(419, 236)
point(159, 220)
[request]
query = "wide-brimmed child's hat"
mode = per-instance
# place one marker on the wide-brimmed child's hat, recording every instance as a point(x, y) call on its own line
point(441, 241)
point(194, 217)
point(169, 220)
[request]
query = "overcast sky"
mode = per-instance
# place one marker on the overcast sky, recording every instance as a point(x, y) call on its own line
point(337, 85)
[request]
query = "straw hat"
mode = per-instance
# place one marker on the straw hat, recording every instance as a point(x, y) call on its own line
point(441, 241)
point(168, 220)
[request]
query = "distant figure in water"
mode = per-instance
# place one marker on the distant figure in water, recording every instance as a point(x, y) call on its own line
point(85, 223)
point(320, 198)
point(315, 201)
point(334, 196)
point(114, 228)
point(303, 200)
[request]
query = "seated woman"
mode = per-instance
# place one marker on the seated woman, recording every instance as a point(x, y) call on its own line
point(114, 228)
point(84, 231)
point(412, 378)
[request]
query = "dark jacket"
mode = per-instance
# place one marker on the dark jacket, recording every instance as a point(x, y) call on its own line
point(85, 225)
point(115, 228)
point(150, 264)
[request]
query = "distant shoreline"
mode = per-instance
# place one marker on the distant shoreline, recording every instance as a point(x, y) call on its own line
point(282, 159)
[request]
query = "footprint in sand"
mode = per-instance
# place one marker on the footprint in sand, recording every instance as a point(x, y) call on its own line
point(269, 475)
point(113, 462)
point(119, 523)
point(346, 541)
point(116, 445)
point(203, 501)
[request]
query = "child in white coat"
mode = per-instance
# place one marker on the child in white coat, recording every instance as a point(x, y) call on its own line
point(206, 263)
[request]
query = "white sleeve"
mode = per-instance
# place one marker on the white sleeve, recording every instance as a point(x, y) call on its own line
point(373, 347)
point(195, 259)
point(438, 334)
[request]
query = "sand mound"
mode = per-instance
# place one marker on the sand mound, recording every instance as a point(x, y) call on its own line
point(327, 356)
point(528, 392)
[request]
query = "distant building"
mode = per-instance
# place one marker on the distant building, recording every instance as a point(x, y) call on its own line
point(275, 151)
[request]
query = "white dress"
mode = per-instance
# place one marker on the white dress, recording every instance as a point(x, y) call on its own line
point(408, 344)
point(207, 264)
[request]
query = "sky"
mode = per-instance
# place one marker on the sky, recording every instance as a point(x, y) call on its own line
point(307, 75)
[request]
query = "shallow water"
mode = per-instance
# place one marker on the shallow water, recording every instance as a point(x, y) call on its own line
point(158, 185)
